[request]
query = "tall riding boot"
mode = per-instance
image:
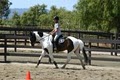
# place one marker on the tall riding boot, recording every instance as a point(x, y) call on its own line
point(54, 44)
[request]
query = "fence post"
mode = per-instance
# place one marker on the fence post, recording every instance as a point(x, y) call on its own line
point(115, 47)
point(25, 39)
point(5, 48)
point(89, 46)
point(112, 45)
point(97, 38)
point(15, 41)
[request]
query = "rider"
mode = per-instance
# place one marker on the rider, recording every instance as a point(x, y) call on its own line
point(56, 30)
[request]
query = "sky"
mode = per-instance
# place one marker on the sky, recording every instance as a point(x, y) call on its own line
point(68, 4)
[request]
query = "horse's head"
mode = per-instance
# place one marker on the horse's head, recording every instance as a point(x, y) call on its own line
point(32, 38)
point(35, 36)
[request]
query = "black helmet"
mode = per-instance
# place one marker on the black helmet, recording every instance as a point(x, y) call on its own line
point(56, 18)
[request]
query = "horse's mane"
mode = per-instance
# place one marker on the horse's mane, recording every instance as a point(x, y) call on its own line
point(47, 34)
point(44, 33)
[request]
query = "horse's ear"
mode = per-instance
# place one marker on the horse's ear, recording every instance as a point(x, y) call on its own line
point(40, 34)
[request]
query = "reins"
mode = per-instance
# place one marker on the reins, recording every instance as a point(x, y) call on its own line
point(44, 37)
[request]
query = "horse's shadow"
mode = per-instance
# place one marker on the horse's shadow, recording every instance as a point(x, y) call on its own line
point(73, 69)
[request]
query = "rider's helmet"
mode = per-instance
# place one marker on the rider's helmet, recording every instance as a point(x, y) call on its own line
point(56, 18)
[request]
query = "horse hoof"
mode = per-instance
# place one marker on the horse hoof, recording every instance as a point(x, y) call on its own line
point(63, 67)
point(84, 67)
point(56, 67)
point(36, 66)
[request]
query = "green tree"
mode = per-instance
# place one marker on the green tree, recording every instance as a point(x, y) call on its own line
point(100, 15)
point(31, 17)
point(64, 15)
point(24, 19)
point(16, 19)
point(4, 8)
point(44, 21)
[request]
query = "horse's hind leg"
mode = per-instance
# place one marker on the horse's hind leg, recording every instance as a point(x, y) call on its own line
point(68, 59)
point(49, 60)
point(80, 58)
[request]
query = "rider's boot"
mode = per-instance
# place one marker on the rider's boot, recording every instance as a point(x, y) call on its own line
point(55, 48)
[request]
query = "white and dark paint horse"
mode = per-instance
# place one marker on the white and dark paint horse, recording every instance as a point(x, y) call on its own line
point(71, 44)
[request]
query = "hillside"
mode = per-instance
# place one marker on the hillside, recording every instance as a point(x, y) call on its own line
point(19, 10)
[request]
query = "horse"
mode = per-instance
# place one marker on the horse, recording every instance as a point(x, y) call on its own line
point(71, 44)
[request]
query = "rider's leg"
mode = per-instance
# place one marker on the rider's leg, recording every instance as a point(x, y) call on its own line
point(55, 40)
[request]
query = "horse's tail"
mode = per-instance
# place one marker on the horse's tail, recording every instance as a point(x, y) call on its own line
point(85, 55)
point(83, 50)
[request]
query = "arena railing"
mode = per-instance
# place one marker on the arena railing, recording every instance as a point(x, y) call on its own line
point(21, 35)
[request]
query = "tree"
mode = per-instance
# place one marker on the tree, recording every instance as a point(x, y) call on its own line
point(16, 19)
point(100, 15)
point(66, 17)
point(4, 8)
point(44, 21)
point(24, 19)
point(31, 17)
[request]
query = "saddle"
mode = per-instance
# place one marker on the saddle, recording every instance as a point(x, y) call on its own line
point(58, 42)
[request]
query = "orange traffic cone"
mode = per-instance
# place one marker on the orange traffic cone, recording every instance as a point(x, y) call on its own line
point(28, 77)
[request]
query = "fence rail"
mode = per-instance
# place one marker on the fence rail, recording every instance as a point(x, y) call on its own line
point(113, 48)
point(18, 38)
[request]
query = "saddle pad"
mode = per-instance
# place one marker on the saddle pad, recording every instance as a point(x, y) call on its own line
point(61, 40)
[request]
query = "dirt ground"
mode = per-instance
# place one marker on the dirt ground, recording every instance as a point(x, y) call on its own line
point(99, 70)
point(18, 71)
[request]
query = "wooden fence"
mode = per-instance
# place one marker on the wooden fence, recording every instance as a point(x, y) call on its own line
point(18, 38)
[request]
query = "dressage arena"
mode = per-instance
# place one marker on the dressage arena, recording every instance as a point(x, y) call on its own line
point(99, 70)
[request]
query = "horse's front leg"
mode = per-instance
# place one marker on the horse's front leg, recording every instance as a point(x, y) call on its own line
point(40, 58)
point(51, 56)
point(52, 59)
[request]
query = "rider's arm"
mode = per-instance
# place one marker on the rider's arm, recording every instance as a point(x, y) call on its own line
point(54, 30)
